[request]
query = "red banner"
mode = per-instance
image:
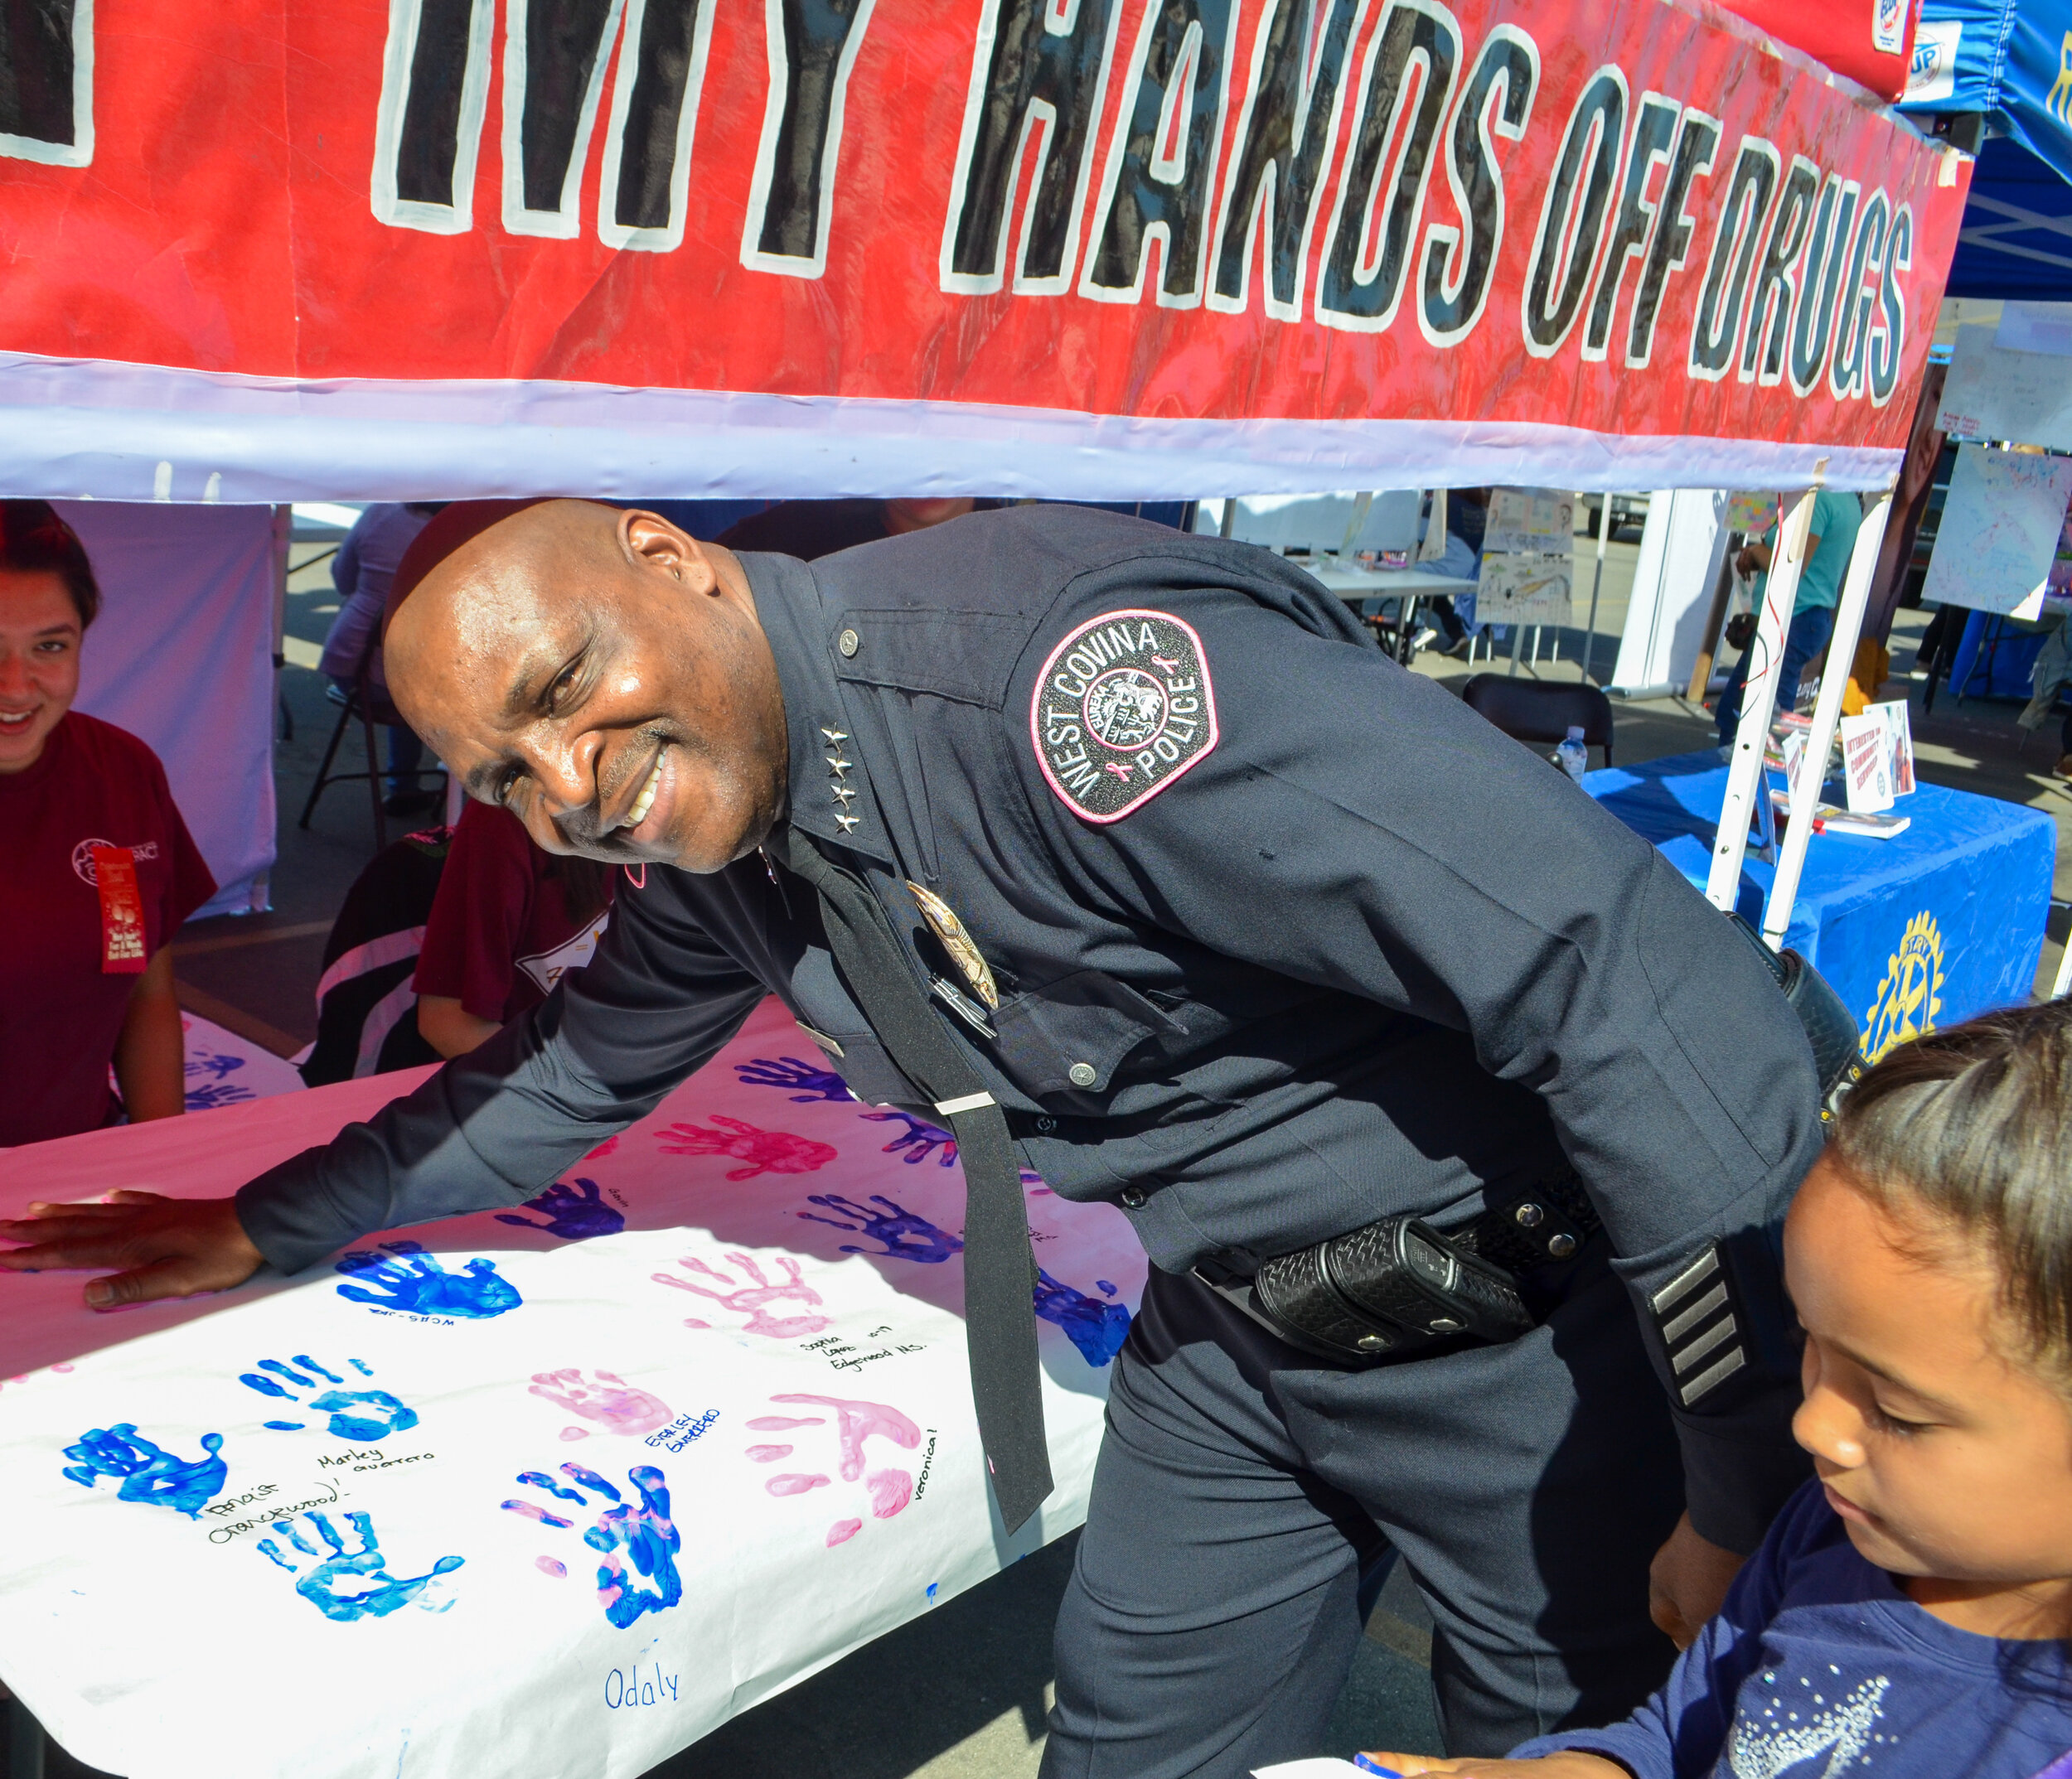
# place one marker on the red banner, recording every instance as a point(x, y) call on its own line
point(1622, 217)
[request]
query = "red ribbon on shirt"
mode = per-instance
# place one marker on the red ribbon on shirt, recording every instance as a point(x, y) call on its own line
point(122, 912)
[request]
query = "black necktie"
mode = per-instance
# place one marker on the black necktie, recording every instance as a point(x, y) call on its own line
point(1000, 1272)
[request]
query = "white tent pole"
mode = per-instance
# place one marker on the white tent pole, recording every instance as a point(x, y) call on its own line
point(1596, 582)
point(2063, 981)
point(1841, 652)
point(1758, 693)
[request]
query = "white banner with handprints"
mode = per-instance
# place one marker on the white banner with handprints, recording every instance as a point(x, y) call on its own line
point(552, 1490)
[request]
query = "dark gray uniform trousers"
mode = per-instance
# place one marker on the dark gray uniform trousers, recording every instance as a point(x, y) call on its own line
point(1211, 1619)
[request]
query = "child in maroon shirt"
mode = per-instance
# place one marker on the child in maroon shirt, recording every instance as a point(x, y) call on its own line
point(508, 922)
point(100, 869)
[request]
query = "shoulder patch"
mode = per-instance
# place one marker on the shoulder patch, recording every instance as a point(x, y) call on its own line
point(1122, 708)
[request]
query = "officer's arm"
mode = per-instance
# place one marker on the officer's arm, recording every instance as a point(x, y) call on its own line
point(492, 1127)
point(1357, 827)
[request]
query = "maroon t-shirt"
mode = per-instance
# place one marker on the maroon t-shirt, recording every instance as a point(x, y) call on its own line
point(93, 785)
point(500, 934)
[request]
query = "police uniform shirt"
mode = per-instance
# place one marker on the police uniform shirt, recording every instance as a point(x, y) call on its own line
point(1285, 939)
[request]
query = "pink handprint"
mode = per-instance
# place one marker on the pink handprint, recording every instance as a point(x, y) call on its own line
point(763, 1151)
point(754, 1300)
point(890, 1490)
point(613, 1403)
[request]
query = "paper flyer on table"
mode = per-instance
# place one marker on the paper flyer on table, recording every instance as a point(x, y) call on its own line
point(550, 1491)
point(1867, 761)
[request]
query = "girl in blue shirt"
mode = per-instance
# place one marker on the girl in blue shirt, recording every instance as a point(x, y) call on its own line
point(1907, 1616)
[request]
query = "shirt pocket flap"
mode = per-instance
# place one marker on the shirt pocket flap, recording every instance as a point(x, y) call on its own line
point(1069, 1036)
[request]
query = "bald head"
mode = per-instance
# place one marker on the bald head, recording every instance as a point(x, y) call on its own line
point(603, 677)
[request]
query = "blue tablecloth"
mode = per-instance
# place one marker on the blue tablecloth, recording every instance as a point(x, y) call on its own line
point(1915, 932)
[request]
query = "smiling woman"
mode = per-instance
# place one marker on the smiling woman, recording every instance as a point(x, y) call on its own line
point(100, 868)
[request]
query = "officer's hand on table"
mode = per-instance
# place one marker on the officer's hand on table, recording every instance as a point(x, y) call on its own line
point(163, 1247)
point(1688, 1583)
point(1549, 1767)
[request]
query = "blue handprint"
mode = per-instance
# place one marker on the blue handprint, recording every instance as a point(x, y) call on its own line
point(150, 1473)
point(413, 1281)
point(789, 1072)
point(1097, 1329)
point(345, 1587)
point(573, 1215)
point(211, 1094)
point(207, 1062)
point(905, 1236)
point(644, 1537)
point(920, 1140)
point(360, 1415)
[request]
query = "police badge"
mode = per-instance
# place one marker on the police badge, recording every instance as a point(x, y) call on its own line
point(1123, 707)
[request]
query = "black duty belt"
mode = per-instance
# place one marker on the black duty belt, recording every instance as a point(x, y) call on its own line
point(1394, 1288)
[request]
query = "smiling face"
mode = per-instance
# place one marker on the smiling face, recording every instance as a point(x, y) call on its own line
point(40, 634)
point(1947, 1457)
point(605, 678)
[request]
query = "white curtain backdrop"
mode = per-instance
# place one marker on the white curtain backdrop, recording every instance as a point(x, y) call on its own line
point(181, 657)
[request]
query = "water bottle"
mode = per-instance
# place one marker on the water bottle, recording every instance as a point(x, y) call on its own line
point(1572, 756)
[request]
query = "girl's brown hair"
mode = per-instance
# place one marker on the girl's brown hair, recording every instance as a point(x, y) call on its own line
point(33, 540)
point(1973, 1125)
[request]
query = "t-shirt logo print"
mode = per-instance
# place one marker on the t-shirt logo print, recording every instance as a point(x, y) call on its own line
point(83, 856)
point(1122, 708)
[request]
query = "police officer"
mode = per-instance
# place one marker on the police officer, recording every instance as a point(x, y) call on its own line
point(1127, 853)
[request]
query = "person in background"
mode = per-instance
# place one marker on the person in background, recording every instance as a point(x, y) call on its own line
point(508, 922)
point(812, 529)
point(99, 869)
point(1467, 518)
point(1833, 537)
point(1907, 1616)
point(362, 571)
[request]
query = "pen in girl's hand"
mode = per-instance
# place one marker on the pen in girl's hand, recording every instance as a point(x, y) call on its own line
point(1366, 1765)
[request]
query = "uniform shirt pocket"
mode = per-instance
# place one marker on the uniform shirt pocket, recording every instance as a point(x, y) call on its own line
point(1066, 1039)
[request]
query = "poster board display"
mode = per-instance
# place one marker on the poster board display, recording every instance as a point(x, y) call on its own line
point(1539, 519)
point(1524, 587)
point(1116, 249)
point(1997, 391)
point(2000, 533)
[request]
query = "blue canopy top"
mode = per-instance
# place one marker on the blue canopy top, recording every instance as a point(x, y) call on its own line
point(2013, 60)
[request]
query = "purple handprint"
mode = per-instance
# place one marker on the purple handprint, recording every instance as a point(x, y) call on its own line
point(207, 1062)
point(210, 1094)
point(789, 1072)
point(905, 1236)
point(920, 1139)
point(573, 1215)
point(1097, 1329)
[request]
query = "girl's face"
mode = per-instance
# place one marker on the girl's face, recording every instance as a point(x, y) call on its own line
point(1947, 1456)
point(39, 663)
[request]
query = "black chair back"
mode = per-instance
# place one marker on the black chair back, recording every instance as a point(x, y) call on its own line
point(366, 1011)
point(1541, 710)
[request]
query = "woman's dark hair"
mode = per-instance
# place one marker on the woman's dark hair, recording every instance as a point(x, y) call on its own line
point(582, 881)
point(34, 540)
point(1973, 1125)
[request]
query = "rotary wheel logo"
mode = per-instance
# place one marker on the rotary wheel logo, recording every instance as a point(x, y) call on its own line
point(1911, 994)
point(83, 859)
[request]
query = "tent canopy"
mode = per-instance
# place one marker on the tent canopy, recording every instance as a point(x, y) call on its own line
point(2017, 241)
point(1119, 248)
point(2009, 59)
